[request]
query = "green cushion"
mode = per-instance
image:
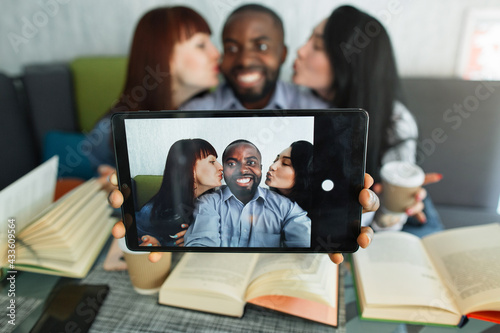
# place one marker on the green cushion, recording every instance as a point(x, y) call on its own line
point(146, 186)
point(98, 82)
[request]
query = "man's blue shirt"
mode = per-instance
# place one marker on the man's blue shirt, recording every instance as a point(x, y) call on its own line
point(268, 220)
point(286, 96)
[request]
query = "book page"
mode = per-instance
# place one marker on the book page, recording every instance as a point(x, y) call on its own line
point(468, 259)
point(68, 246)
point(27, 197)
point(304, 285)
point(222, 273)
point(52, 218)
point(395, 270)
point(80, 267)
point(76, 225)
point(298, 275)
point(293, 262)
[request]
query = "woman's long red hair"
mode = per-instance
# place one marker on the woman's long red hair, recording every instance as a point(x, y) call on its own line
point(148, 84)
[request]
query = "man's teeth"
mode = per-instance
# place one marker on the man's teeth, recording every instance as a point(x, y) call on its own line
point(243, 180)
point(249, 78)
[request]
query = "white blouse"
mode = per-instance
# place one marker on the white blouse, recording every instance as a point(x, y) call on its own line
point(402, 139)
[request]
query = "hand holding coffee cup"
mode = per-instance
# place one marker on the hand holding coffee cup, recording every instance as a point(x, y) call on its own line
point(401, 183)
point(417, 210)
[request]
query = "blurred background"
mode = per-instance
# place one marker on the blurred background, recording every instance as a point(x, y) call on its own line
point(428, 36)
point(62, 66)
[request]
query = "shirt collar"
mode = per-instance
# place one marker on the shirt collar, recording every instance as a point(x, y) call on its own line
point(228, 99)
point(278, 100)
point(227, 194)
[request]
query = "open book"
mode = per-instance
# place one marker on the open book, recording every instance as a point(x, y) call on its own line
point(303, 285)
point(434, 280)
point(60, 238)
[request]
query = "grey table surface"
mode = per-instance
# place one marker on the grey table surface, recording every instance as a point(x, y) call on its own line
point(126, 311)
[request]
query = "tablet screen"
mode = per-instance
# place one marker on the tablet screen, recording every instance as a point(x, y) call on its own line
point(258, 181)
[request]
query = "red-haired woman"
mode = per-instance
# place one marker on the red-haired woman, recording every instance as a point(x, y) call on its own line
point(171, 60)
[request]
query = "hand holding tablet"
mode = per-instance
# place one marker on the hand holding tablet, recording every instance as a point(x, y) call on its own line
point(367, 198)
point(273, 223)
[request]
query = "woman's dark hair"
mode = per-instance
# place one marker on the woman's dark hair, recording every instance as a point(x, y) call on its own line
point(176, 193)
point(156, 34)
point(301, 157)
point(365, 74)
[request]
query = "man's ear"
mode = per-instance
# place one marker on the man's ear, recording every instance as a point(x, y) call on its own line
point(285, 52)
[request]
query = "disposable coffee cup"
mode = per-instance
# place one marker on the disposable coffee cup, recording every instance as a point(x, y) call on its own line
point(146, 277)
point(400, 181)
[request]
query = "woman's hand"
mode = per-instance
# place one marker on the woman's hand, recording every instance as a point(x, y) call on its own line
point(147, 240)
point(115, 199)
point(417, 209)
point(180, 235)
point(370, 203)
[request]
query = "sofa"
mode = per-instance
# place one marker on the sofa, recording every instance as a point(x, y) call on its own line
point(145, 187)
point(459, 136)
point(51, 107)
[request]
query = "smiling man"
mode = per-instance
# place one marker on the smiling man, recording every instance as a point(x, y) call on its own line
point(242, 214)
point(254, 50)
point(242, 169)
point(253, 54)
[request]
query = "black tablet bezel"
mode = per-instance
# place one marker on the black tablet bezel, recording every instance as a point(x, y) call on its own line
point(324, 123)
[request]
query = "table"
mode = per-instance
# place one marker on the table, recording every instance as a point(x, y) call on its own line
point(126, 311)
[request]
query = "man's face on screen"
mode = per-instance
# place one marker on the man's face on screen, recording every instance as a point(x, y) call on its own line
point(242, 170)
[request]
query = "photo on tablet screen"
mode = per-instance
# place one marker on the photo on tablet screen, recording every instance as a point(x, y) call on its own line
point(240, 181)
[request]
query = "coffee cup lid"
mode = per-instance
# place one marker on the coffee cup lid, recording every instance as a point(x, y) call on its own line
point(403, 174)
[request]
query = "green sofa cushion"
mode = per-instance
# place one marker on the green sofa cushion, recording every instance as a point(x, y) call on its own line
point(146, 186)
point(97, 82)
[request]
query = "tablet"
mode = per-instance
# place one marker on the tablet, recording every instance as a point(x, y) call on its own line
point(241, 181)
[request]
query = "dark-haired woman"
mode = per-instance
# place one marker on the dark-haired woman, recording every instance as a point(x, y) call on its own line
point(349, 62)
point(290, 174)
point(191, 169)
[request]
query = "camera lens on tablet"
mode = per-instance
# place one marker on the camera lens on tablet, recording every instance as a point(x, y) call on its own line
point(327, 185)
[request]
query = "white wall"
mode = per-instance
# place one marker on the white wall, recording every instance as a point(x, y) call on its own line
point(426, 33)
point(149, 140)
